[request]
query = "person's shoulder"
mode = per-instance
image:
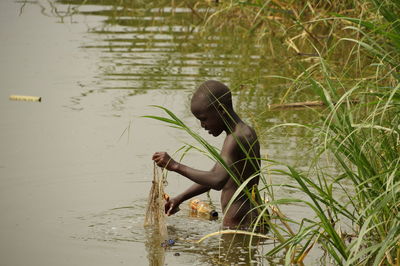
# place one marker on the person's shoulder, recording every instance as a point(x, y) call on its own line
point(244, 134)
point(245, 131)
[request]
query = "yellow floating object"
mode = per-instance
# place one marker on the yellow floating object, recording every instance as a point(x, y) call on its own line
point(25, 98)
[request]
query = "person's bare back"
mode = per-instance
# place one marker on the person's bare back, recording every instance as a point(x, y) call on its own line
point(212, 105)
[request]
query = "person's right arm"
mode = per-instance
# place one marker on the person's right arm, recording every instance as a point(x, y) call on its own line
point(171, 206)
point(215, 178)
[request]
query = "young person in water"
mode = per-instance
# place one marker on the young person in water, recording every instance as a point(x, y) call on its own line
point(212, 104)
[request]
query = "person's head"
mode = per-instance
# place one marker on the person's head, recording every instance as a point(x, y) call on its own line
point(212, 104)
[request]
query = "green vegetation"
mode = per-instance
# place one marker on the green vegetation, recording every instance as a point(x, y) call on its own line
point(362, 141)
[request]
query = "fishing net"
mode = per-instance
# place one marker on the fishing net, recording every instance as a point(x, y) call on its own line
point(155, 216)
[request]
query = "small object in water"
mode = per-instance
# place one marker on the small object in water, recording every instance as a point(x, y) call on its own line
point(168, 243)
point(25, 98)
point(202, 208)
point(166, 196)
point(177, 254)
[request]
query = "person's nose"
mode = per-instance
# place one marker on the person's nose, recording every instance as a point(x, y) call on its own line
point(202, 124)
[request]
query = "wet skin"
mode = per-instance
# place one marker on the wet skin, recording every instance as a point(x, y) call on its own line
point(216, 120)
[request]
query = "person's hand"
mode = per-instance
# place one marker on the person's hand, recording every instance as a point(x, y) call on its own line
point(162, 159)
point(171, 206)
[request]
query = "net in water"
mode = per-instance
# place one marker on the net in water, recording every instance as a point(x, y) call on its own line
point(155, 216)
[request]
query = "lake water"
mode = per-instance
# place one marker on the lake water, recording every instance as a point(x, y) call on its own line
point(76, 169)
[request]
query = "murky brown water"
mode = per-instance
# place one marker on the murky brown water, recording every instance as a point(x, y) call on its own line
point(75, 169)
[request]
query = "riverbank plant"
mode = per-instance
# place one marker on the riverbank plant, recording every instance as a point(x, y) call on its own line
point(356, 206)
point(363, 140)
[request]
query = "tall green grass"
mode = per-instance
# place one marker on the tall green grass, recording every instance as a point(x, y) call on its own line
point(356, 207)
point(365, 142)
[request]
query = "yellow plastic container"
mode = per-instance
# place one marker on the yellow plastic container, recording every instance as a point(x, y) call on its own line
point(202, 208)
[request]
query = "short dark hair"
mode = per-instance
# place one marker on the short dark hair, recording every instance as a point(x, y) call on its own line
point(216, 92)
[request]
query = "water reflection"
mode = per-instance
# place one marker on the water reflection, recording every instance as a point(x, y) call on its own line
point(149, 45)
point(155, 252)
point(152, 45)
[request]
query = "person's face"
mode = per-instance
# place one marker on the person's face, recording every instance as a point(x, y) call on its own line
point(208, 116)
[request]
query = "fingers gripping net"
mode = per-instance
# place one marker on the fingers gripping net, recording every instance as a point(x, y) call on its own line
point(155, 216)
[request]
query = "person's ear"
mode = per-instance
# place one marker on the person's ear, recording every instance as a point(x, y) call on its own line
point(221, 109)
